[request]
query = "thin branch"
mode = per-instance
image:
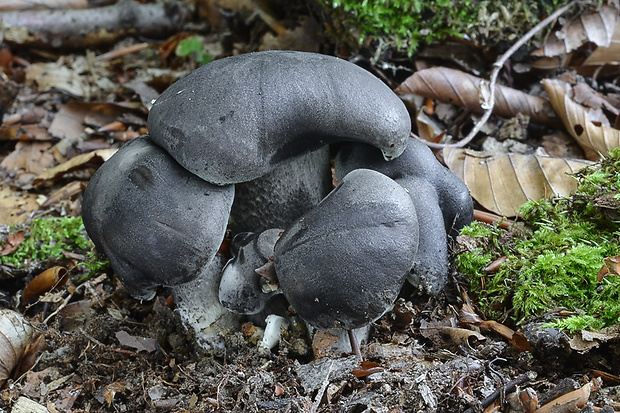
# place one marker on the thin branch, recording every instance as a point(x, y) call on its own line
point(509, 387)
point(497, 66)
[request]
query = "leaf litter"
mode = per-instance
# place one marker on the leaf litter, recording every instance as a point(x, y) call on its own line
point(100, 350)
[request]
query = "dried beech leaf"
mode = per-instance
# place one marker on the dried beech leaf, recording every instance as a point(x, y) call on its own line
point(503, 182)
point(16, 206)
point(84, 160)
point(13, 242)
point(596, 26)
point(463, 89)
point(609, 55)
point(366, 369)
point(599, 138)
point(15, 333)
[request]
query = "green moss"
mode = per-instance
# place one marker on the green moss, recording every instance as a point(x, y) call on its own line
point(47, 238)
point(405, 24)
point(478, 229)
point(553, 260)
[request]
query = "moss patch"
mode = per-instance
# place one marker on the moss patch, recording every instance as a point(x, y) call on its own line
point(45, 240)
point(553, 256)
point(406, 24)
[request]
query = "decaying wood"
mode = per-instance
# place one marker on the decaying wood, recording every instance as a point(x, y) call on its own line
point(69, 29)
point(52, 4)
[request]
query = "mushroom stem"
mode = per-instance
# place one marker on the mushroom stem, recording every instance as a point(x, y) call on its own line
point(354, 344)
point(273, 331)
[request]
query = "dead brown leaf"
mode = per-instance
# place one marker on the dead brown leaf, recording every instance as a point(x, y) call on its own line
point(503, 182)
point(608, 55)
point(46, 281)
point(584, 340)
point(109, 392)
point(149, 345)
point(570, 402)
point(69, 122)
point(12, 243)
point(24, 133)
point(596, 26)
point(465, 90)
point(577, 121)
point(366, 369)
point(29, 157)
point(16, 206)
point(84, 160)
point(611, 266)
point(66, 192)
point(516, 338)
point(462, 336)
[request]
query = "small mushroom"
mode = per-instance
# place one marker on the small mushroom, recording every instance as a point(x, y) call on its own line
point(157, 223)
point(241, 287)
point(342, 264)
point(236, 119)
point(442, 201)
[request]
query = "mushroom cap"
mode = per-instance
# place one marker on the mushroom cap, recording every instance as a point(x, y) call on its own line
point(417, 161)
point(157, 223)
point(235, 119)
point(342, 264)
point(241, 287)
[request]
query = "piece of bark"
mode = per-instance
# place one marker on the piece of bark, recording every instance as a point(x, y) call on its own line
point(73, 29)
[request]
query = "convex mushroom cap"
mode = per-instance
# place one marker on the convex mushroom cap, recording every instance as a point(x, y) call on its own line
point(237, 118)
point(342, 264)
point(157, 223)
point(442, 201)
point(241, 287)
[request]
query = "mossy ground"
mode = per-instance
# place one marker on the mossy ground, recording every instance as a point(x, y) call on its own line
point(407, 24)
point(553, 256)
point(46, 240)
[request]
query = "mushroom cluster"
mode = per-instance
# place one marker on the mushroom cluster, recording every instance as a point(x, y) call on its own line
point(260, 124)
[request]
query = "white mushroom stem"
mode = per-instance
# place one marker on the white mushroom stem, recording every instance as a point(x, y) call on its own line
point(273, 331)
point(199, 307)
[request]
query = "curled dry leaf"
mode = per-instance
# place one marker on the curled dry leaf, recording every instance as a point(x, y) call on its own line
point(366, 369)
point(13, 242)
point(503, 182)
point(611, 266)
point(570, 402)
point(609, 55)
point(596, 26)
point(15, 334)
point(462, 336)
point(45, 282)
point(463, 89)
point(577, 121)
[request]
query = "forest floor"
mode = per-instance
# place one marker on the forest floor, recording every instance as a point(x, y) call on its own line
point(68, 106)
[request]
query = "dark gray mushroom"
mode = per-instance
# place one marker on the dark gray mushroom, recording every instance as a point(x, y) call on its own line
point(157, 223)
point(242, 290)
point(442, 201)
point(238, 118)
point(233, 121)
point(342, 264)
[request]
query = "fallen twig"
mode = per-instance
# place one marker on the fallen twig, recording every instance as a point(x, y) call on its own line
point(489, 88)
point(92, 27)
point(510, 386)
